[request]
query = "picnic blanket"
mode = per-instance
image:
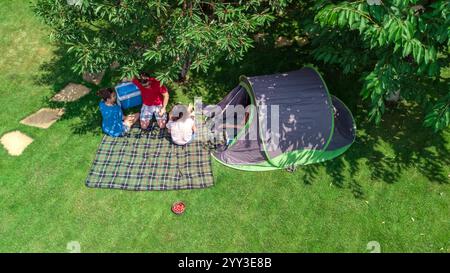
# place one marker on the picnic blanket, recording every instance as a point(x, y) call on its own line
point(142, 161)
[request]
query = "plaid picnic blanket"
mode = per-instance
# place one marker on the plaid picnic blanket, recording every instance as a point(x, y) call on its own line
point(144, 162)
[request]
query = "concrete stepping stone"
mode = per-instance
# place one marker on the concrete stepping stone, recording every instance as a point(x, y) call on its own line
point(115, 65)
point(15, 142)
point(44, 118)
point(94, 78)
point(71, 92)
point(260, 37)
point(282, 41)
point(301, 41)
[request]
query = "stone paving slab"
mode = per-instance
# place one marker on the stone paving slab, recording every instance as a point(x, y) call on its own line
point(115, 65)
point(72, 92)
point(15, 142)
point(94, 78)
point(44, 118)
point(282, 41)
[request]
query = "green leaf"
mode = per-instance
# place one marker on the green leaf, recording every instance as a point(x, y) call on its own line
point(342, 19)
point(407, 49)
point(362, 25)
point(419, 54)
point(426, 56)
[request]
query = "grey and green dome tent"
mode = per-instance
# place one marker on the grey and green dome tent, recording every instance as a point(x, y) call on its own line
point(313, 126)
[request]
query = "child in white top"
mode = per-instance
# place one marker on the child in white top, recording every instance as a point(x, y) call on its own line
point(181, 126)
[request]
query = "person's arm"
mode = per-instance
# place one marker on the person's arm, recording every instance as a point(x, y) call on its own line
point(169, 126)
point(165, 102)
point(236, 126)
point(194, 129)
point(138, 84)
point(119, 113)
point(228, 126)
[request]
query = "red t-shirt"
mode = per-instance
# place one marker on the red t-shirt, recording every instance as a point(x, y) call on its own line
point(152, 94)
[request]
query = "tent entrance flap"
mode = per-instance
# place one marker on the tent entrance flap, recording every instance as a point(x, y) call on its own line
point(229, 113)
point(240, 126)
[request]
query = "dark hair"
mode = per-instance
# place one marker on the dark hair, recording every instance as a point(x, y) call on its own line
point(145, 74)
point(105, 93)
point(144, 78)
point(175, 118)
point(144, 81)
point(178, 111)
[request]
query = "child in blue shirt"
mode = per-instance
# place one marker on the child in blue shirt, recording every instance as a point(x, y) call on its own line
point(114, 123)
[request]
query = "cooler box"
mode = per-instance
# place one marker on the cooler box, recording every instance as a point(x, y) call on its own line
point(128, 95)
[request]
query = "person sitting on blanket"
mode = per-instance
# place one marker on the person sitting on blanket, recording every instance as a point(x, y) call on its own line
point(114, 123)
point(181, 125)
point(155, 98)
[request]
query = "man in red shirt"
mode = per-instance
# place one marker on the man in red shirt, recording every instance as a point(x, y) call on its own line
point(155, 98)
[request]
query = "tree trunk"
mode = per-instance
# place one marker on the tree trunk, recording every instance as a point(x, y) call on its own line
point(185, 69)
point(394, 97)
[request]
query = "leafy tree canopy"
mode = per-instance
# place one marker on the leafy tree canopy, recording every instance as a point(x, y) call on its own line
point(397, 45)
point(177, 35)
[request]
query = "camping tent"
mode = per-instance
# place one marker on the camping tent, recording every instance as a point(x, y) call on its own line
point(291, 120)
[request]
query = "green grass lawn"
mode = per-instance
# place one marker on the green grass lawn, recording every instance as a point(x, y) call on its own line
point(392, 186)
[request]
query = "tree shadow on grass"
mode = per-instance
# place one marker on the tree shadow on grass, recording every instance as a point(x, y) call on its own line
point(400, 142)
point(84, 113)
point(261, 60)
point(386, 151)
point(211, 86)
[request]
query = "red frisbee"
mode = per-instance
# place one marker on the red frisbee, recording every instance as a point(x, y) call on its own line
point(178, 208)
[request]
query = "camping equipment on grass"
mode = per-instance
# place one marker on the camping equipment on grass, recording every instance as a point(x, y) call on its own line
point(128, 95)
point(311, 126)
point(140, 161)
